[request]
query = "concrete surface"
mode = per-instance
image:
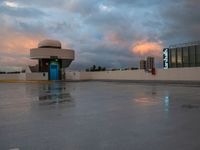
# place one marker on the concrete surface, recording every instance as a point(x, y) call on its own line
point(99, 116)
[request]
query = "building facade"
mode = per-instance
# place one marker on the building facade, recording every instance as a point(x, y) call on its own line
point(143, 64)
point(150, 63)
point(182, 55)
point(52, 58)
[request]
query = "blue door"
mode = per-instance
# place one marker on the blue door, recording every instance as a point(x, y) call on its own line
point(53, 71)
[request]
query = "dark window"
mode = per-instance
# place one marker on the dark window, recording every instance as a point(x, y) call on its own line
point(192, 56)
point(179, 57)
point(185, 57)
point(169, 58)
point(198, 55)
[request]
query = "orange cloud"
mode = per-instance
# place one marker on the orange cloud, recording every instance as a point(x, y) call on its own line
point(18, 43)
point(15, 47)
point(16, 61)
point(147, 48)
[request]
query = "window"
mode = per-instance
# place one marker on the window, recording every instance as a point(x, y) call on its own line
point(179, 57)
point(198, 55)
point(192, 56)
point(185, 57)
point(173, 58)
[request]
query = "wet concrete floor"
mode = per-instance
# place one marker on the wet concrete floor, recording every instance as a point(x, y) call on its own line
point(99, 116)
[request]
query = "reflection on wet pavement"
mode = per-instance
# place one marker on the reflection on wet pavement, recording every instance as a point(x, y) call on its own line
point(166, 103)
point(55, 98)
point(99, 115)
point(54, 94)
point(146, 101)
point(190, 106)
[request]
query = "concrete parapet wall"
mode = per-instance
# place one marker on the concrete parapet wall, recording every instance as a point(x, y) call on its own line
point(173, 74)
point(24, 76)
point(37, 76)
point(19, 76)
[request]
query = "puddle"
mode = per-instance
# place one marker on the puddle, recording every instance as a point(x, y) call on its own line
point(190, 106)
point(146, 101)
point(55, 98)
point(50, 89)
point(54, 94)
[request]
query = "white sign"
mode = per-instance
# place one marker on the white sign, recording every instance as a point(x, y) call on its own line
point(166, 58)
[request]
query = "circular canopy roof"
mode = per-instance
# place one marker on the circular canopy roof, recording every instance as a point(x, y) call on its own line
point(49, 44)
point(51, 49)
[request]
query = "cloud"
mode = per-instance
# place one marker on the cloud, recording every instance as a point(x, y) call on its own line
point(146, 48)
point(180, 22)
point(11, 4)
point(17, 62)
point(113, 33)
point(15, 46)
point(19, 10)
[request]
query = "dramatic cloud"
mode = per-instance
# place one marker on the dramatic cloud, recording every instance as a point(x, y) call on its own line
point(19, 10)
point(112, 33)
point(145, 48)
point(14, 48)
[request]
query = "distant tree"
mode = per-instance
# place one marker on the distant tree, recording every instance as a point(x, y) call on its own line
point(99, 68)
point(134, 68)
point(93, 68)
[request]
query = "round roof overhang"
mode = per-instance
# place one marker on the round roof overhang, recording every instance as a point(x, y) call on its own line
point(49, 53)
point(50, 44)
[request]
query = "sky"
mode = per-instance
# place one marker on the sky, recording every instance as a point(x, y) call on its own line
point(110, 33)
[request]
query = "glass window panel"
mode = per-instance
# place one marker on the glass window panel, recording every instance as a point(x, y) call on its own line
point(185, 57)
point(192, 56)
point(198, 55)
point(179, 57)
point(173, 57)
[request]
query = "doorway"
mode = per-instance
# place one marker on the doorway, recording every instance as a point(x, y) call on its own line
point(54, 71)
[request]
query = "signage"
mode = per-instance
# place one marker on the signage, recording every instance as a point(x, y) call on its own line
point(166, 58)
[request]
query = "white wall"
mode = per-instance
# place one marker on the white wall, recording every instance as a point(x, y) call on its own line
point(72, 75)
point(173, 74)
point(20, 76)
point(24, 76)
point(37, 76)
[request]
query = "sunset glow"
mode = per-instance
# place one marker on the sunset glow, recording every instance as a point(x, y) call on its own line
point(146, 47)
point(95, 29)
point(146, 101)
point(15, 48)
